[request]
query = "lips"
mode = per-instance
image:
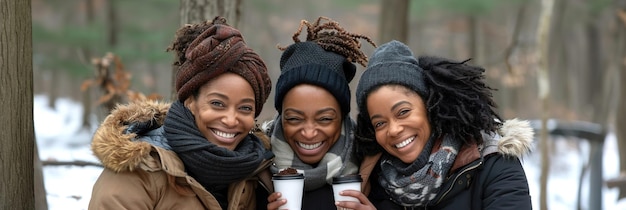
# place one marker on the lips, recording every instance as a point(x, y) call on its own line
point(224, 134)
point(309, 146)
point(405, 142)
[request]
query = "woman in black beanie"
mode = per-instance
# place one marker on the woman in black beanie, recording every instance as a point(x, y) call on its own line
point(201, 151)
point(430, 138)
point(313, 132)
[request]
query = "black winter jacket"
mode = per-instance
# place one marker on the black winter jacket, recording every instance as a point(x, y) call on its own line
point(497, 183)
point(496, 180)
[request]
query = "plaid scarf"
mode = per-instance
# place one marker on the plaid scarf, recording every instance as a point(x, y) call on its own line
point(339, 160)
point(418, 183)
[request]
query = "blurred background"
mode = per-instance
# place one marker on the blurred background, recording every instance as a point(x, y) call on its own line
point(549, 59)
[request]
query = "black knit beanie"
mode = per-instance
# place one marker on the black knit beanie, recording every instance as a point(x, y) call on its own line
point(308, 63)
point(391, 63)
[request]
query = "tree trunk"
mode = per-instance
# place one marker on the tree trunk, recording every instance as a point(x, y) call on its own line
point(89, 10)
point(510, 96)
point(85, 96)
point(620, 118)
point(112, 23)
point(53, 91)
point(394, 21)
point(597, 89)
point(41, 201)
point(16, 115)
point(543, 43)
point(560, 89)
point(473, 39)
point(197, 11)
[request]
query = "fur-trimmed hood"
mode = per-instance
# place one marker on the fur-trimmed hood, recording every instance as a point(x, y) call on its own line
point(116, 141)
point(514, 138)
point(119, 150)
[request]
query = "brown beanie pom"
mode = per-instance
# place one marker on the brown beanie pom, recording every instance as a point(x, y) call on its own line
point(217, 50)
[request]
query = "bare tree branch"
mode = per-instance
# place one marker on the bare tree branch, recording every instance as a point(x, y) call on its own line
point(69, 163)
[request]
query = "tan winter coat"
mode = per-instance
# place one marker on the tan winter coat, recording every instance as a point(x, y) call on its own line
point(142, 175)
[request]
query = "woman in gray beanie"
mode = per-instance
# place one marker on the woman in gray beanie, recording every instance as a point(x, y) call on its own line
point(429, 137)
point(313, 132)
point(201, 151)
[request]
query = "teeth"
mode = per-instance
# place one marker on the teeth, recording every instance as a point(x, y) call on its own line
point(405, 142)
point(224, 134)
point(310, 146)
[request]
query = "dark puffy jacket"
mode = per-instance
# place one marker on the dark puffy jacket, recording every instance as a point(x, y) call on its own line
point(495, 180)
point(318, 199)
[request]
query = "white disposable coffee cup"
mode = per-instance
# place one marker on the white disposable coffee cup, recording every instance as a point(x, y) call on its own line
point(291, 187)
point(346, 182)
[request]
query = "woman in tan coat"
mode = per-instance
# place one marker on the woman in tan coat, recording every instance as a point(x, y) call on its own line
point(200, 152)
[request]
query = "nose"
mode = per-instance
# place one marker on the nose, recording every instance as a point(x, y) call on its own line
point(395, 128)
point(309, 130)
point(230, 118)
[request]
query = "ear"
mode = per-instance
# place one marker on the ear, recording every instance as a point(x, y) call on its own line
point(190, 103)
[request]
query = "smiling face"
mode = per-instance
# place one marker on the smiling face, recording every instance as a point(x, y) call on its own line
point(311, 120)
point(224, 110)
point(399, 117)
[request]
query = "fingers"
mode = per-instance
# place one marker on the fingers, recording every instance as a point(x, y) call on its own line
point(353, 205)
point(274, 201)
point(277, 203)
point(273, 197)
point(356, 194)
point(363, 204)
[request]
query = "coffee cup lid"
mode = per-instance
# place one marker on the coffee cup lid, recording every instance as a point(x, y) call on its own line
point(288, 176)
point(347, 179)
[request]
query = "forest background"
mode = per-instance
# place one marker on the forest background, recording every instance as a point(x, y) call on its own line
point(584, 54)
point(574, 73)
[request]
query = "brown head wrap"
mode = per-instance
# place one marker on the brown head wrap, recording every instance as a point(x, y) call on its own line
point(217, 50)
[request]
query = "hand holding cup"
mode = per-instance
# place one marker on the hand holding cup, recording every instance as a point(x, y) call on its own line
point(290, 184)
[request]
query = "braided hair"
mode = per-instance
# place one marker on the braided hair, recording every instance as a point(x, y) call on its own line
point(332, 37)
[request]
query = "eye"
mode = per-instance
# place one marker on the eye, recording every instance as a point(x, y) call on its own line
point(292, 120)
point(217, 103)
point(378, 124)
point(326, 119)
point(403, 112)
point(247, 108)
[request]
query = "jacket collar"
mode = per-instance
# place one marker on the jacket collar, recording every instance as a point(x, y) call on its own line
point(118, 150)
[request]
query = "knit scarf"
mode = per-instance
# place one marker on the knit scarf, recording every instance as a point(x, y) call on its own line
point(339, 160)
point(416, 184)
point(214, 167)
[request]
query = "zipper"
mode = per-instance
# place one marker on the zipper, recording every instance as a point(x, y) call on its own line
point(457, 177)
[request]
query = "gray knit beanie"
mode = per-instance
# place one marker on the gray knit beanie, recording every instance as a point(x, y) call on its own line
point(308, 63)
point(391, 63)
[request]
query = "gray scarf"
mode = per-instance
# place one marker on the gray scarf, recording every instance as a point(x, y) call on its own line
point(339, 160)
point(417, 184)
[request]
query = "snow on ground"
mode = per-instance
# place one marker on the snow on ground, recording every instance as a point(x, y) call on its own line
point(60, 137)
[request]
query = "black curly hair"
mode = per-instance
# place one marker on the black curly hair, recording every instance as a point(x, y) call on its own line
point(459, 103)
